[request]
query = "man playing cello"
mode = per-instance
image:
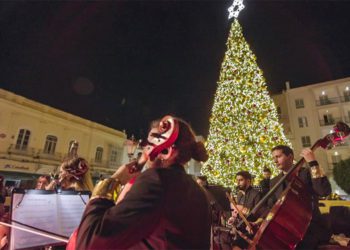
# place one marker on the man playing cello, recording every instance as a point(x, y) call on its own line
point(317, 184)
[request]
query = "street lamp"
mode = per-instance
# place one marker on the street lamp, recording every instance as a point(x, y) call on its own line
point(131, 145)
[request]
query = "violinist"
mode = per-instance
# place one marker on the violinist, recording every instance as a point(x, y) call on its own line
point(74, 175)
point(247, 198)
point(317, 184)
point(164, 208)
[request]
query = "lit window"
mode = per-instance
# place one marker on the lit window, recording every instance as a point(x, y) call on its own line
point(324, 99)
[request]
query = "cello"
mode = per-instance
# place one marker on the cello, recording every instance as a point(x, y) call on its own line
point(294, 204)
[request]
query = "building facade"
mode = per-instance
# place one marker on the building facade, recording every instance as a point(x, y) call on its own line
point(309, 113)
point(36, 138)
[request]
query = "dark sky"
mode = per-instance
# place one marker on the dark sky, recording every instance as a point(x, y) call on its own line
point(124, 63)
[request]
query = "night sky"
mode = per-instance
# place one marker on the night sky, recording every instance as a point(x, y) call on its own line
point(124, 63)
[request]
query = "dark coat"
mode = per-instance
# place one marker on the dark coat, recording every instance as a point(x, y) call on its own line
point(164, 209)
point(317, 187)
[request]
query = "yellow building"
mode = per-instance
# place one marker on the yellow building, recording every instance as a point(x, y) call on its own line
point(35, 138)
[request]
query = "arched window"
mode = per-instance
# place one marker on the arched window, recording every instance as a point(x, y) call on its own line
point(99, 154)
point(22, 139)
point(50, 144)
point(73, 148)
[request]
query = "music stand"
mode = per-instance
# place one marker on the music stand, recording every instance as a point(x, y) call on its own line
point(57, 213)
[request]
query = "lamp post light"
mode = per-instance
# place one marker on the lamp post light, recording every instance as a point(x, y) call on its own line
point(131, 146)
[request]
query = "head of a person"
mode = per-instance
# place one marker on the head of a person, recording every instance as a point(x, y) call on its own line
point(75, 174)
point(243, 180)
point(183, 148)
point(202, 180)
point(42, 182)
point(283, 157)
point(267, 173)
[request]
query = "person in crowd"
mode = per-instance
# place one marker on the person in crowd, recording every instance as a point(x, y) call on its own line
point(247, 198)
point(164, 208)
point(220, 212)
point(4, 216)
point(74, 175)
point(42, 182)
point(317, 184)
point(265, 182)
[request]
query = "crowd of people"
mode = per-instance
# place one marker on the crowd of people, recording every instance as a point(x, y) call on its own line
point(162, 207)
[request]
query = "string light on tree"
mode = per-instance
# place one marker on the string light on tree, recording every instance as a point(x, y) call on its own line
point(244, 123)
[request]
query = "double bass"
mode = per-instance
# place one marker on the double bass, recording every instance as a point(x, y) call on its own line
point(288, 220)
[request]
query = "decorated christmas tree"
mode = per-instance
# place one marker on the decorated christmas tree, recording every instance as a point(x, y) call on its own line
point(244, 123)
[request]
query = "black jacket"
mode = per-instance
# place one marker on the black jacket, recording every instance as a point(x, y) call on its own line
point(317, 187)
point(164, 209)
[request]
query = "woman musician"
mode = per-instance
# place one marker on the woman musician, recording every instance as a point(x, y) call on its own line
point(74, 175)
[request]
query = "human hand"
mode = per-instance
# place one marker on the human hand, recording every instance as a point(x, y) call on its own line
point(123, 173)
point(308, 155)
point(231, 220)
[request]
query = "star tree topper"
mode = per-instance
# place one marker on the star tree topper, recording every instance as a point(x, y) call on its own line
point(235, 8)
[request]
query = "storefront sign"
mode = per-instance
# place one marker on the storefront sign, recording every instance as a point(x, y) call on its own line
point(7, 165)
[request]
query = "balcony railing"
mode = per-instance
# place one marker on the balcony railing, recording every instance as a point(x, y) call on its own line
point(329, 122)
point(345, 98)
point(327, 101)
point(98, 163)
point(52, 156)
point(26, 151)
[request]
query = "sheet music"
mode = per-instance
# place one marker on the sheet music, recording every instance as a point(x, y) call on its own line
point(35, 210)
point(70, 209)
point(56, 213)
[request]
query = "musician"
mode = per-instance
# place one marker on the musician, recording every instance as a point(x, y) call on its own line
point(265, 182)
point(247, 198)
point(74, 175)
point(164, 209)
point(42, 182)
point(318, 185)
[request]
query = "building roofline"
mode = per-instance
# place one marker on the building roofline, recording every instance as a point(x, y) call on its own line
point(23, 101)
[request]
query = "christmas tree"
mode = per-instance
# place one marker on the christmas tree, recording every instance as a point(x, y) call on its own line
point(244, 123)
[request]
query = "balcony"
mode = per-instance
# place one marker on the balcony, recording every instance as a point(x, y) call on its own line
point(345, 98)
point(327, 101)
point(98, 163)
point(47, 156)
point(329, 122)
point(16, 150)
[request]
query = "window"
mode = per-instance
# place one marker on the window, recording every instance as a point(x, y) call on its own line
point(50, 144)
point(114, 154)
point(346, 94)
point(98, 155)
point(305, 141)
point(336, 159)
point(73, 148)
point(299, 103)
point(23, 139)
point(302, 122)
point(328, 119)
point(324, 100)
